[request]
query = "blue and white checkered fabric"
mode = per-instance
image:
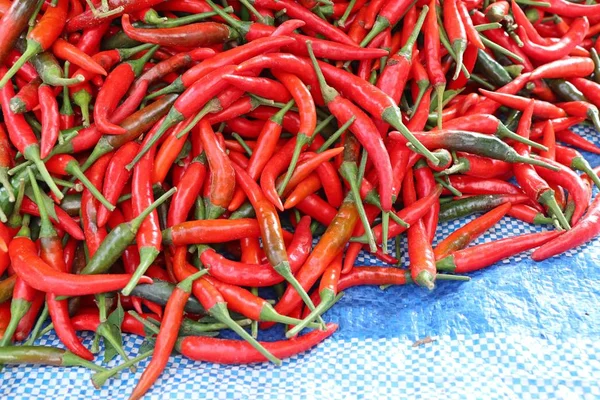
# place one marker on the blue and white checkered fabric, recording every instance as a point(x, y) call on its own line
point(517, 330)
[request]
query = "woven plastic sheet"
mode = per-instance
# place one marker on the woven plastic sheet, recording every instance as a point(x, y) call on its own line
point(517, 330)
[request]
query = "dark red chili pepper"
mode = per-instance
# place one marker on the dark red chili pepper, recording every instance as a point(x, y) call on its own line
point(14, 20)
point(192, 35)
point(115, 86)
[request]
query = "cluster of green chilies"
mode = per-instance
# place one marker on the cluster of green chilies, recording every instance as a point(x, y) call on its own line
point(152, 152)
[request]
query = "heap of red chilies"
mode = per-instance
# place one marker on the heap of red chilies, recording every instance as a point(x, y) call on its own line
point(142, 140)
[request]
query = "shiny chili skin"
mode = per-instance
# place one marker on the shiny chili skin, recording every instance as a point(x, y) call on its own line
point(63, 220)
point(477, 257)
point(14, 20)
point(571, 67)
point(116, 177)
point(555, 51)
point(88, 19)
point(66, 51)
point(50, 119)
point(43, 277)
point(224, 351)
point(425, 184)
point(210, 231)
point(192, 35)
point(188, 190)
point(542, 109)
point(461, 238)
point(27, 98)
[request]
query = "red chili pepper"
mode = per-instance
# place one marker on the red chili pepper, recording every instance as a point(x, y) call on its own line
point(483, 255)
point(63, 220)
point(529, 180)
point(461, 238)
point(115, 179)
point(94, 235)
point(115, 86)
point(14, 21)
point(66, 51)
point(225, 351)
point(23, 294)
point(210, 231)
point(42, 36)
point(426, 184)
point(91, 18)
point(188, 190)
point(545, 53)
point(22, 137)
point(541, 108)
point(572, 67)
point(35, 272)
point(50, 120)
point(437, 76)
point(27, 98)
point(528, 214)
point(167, 335)
point(582, 232)
point(317, 208)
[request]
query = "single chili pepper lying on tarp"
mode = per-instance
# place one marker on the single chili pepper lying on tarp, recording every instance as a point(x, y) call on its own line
point(483, 255)
point(43, 355)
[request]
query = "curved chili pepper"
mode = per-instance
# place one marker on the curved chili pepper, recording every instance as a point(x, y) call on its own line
point(22, 137)
point(116, 178)
point(42, 36)
point(545, 53)
point(14, 20)
point(91, 18)
point(27, 98)
point(66, 51)
point(569, 180)
point(51, 252)
point(483, 255)
point(63, 220)
point(23, 295)
point(115, 86)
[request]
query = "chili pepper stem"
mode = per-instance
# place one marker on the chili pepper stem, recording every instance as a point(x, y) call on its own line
point(6, 184)
point(74, 170)
point(18, 308)
point(425, 279)
point(83, 99)
point(385, 223)
point(327, 297)
point(581, 164)
point(219, 311)
point(99, 378)
point(349, 171)
point(35, 333)
point(285, 271)
point(171, 119)
point(32, 49)
point(504, 132)
point(33, 153)
point(175, 87)
point(268, 314)
point(301, 140)
point(390, 116)
point(459, 47)
point(547, 198)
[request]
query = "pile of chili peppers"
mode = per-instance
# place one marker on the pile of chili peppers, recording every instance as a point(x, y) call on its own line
point(165, 165)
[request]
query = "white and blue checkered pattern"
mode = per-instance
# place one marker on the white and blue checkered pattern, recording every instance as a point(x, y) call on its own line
point(517, 330)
